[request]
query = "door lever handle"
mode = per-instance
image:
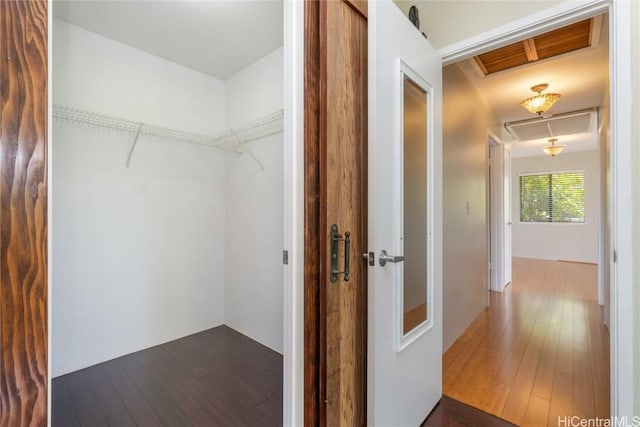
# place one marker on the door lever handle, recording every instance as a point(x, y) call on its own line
point(384, 258)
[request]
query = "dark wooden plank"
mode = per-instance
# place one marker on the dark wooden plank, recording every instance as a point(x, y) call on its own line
point(249, 372)
point(114, 410)
point(203, 356)
point(84, 402)
point(194, 364)
point(215, 377)
point(238, 385)
point(59, 388)
point(63, 413)
point(217, 345)
point(234, 389)
point(312, 214)
point(23, 213)
point(134, 400)
point(231, 341)
point(218, 405)
point(270, 411)
point(450, 412)
point(273, 381)
point(158, 398)
point(252, 348)
point(200, 406)
point(223, 389)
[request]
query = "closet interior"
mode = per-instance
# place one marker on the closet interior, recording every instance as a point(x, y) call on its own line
point(167, 213)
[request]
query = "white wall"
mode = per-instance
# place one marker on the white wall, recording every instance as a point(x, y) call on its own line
point(573, 242)
point(138, 254)
point(253, 270)
point(95, 73)
point(467, 120)
point(635, 185)
point(446, 22)
point(256, 90)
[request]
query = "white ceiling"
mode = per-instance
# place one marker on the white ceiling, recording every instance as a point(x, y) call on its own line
point(218, 38)
point(580, 77)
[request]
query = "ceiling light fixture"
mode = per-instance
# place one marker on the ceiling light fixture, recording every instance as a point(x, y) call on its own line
point(553, 149)
point(539, 103)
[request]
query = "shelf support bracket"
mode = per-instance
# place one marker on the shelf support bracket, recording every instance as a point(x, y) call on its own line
point(253, 156)
point(133, 146)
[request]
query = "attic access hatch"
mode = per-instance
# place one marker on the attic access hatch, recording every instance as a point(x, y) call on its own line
point(583, 121)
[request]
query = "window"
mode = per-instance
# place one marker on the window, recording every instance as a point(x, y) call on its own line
point(552, 197)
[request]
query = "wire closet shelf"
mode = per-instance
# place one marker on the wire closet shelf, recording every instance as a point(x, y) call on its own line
point(231, 139)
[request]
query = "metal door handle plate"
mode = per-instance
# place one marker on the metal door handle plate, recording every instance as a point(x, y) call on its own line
point(384, 258)
point(336, 238)
point(370, 257)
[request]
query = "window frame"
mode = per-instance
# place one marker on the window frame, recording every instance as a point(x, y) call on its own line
point(520, 222)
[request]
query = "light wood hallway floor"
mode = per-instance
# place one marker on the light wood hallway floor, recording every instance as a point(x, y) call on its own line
point(539, 352)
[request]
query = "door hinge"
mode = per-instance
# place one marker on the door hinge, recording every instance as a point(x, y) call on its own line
point(285, 257)
point(615, 256)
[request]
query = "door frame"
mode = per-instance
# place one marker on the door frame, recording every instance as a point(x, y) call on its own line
point(621, 322)
point(621, 277)
point(496, 218)
point(293, 363)
point(499, 215)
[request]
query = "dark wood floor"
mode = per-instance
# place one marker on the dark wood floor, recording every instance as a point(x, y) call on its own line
point(452, 413)
point(218, 377)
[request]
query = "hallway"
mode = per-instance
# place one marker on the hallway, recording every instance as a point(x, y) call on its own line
point(540, 350)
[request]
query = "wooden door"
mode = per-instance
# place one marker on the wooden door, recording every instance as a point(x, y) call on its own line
point(335, 189)
point(23, 213)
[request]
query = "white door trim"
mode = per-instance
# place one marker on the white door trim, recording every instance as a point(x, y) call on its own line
point(293, 366)
point(621, 322)
point(621, 317)
point(497, 217)
point(549, 19)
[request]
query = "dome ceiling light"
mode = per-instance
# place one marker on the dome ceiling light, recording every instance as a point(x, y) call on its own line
point(541, 102)
point(553, 149)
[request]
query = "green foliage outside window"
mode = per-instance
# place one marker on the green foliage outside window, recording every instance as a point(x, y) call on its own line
point(552, 197)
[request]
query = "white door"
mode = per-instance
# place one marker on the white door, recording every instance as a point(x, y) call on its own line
point(508, 226)
point(404, 378)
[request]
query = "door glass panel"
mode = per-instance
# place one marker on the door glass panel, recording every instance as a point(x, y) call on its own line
point(414, 233)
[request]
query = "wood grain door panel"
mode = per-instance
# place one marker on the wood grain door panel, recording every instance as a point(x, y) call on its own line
point(335, 193)
point(23, 213)
point(343, 139)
